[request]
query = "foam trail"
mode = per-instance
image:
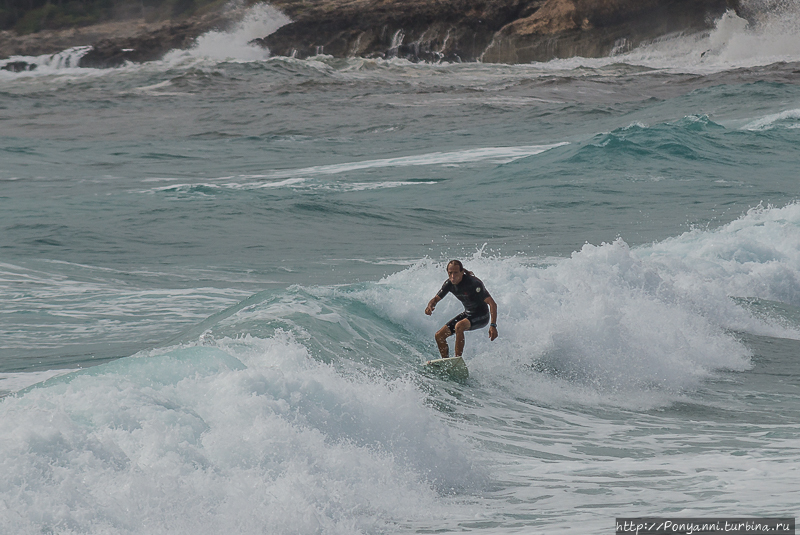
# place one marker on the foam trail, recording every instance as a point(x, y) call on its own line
point(492, 154)
point(294, 183)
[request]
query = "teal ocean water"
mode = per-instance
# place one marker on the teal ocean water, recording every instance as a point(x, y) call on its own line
point(213, 272)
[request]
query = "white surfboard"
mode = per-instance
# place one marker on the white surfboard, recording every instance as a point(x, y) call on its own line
point(454, 367)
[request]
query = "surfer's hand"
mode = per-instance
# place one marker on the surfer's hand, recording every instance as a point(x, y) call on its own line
point(431, 306)
point(492, 333)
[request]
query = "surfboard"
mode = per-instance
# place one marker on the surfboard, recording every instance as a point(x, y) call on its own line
point(454, 367)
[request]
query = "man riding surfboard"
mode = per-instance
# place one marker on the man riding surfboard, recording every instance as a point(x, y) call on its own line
point(479, 308)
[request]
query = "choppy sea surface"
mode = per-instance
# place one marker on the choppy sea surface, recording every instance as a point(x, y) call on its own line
point(213, 271)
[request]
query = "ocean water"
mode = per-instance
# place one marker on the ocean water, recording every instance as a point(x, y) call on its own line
point(213, 271)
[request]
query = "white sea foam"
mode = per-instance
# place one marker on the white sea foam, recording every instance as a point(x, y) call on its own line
point(758, 255)
point(247, 434)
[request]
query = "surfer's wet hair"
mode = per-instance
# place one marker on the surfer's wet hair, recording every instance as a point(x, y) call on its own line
point(460, 266)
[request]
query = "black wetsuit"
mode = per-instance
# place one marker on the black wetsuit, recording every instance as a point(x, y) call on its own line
point(472, 294)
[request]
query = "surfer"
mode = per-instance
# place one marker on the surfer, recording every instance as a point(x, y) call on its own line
point(478, 307)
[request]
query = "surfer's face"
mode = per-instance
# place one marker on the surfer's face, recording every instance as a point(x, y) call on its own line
point(455, 274)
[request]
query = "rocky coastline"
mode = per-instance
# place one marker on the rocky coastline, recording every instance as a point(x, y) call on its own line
point(114, 43)
point(500, 31)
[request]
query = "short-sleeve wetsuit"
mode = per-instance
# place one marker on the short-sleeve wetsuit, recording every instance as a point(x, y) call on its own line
point(472, 294)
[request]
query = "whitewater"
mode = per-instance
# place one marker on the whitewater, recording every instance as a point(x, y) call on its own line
point(214, 270)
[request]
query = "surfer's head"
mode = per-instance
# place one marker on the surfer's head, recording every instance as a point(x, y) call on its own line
point(455, 271)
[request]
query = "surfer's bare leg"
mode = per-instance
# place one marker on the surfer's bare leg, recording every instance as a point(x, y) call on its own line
point(461, 327)
point(441, 341)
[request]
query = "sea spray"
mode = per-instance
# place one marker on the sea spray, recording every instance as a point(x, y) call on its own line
point(772, 35)
point(237, 44)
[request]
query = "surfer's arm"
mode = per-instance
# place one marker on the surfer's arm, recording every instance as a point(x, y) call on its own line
point(432, 304)
point(493, 311)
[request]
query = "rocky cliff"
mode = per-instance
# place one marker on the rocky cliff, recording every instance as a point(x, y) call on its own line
point(506, 31)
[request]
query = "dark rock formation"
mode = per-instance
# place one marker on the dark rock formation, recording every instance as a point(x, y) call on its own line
point(425, 30)
point(594, 28)
point(506, 31)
